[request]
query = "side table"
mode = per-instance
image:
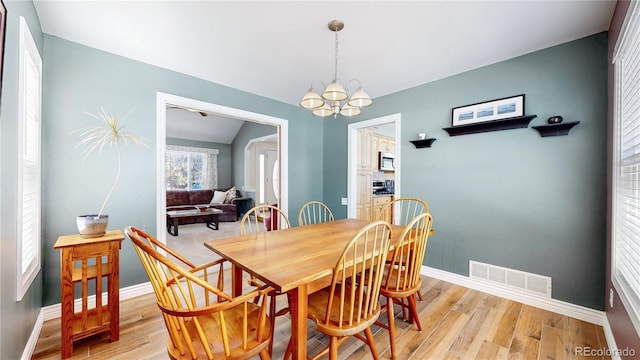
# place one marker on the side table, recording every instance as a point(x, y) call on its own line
point(83, 260)
point(243, 204)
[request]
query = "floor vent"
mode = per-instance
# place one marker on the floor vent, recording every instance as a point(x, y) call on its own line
point(515, 279)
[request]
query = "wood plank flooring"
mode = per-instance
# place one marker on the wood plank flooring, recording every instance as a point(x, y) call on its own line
point(458, 323)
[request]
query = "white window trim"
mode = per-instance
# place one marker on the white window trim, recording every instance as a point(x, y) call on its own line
point(28, 51)
point(628, 295)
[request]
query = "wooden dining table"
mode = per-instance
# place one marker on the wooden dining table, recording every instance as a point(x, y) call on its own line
point(298, 261)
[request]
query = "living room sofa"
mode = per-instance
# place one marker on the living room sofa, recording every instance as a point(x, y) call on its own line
point(188, 199)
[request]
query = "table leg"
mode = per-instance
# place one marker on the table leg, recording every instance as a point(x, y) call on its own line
point(236, 281)
point(299, 321)
point(213, 221)
point(172, 223)
point(66, 320)
point(113, 284)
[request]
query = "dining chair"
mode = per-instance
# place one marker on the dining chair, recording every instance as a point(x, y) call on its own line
point(314, 212)
point(350, 305)
point(263, 218)
point(202, 320)
point(259, 219)
point(402, 274)
point(402, 210)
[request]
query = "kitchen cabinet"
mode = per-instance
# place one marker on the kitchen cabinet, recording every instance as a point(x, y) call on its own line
point(378, 203)
point(364, 147)
point(385, 144)
point(381, 143)
point(363, 203)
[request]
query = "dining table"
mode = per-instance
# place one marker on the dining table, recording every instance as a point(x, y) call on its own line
point(298, 261)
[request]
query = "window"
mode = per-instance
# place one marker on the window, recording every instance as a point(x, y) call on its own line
point(626, 162)
point(188, 168)
point(29, 159)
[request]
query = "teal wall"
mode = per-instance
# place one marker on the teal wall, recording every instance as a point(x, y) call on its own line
point(224, 157)
point(16, 318)
point(509, 198)
point(72, 188)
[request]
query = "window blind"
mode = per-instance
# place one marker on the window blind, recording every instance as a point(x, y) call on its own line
point(626, 217)
point(29, 105)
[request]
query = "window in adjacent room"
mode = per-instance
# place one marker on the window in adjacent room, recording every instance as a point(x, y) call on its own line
point(190, 168)
point(626, 172)
point(29, 160)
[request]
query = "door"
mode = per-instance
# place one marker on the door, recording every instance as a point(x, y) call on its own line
point(267, 173)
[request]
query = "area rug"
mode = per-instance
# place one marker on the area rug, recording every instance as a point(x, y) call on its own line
point(191, 238)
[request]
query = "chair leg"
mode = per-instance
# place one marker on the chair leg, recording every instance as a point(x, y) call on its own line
point(333, 348)
point(371, 343)
point(264, 355)
point(289, 351)
point(419, 296)
point(392, 335)
point(414, 311)
point(272, 320)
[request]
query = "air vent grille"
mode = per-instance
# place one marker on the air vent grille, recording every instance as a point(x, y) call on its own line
point(516, 279)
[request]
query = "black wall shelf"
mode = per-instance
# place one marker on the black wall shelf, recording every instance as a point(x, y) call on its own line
point(424, 143)
point(561, 129)
point(495, 125)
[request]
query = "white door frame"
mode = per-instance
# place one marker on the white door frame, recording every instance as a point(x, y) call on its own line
point(163, 99)
point(352, 154)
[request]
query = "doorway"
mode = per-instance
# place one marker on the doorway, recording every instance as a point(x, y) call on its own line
point(163, 99)
point(352, 178)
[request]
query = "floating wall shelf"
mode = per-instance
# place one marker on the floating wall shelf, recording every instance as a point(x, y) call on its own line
point(495, 125)
point(561, 129)
point(424, 143)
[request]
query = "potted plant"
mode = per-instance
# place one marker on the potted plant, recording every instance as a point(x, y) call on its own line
point(111, 132)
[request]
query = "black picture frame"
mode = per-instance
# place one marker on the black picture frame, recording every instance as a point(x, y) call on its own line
point(504, 108)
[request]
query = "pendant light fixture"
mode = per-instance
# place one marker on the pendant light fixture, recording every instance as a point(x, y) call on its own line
point(335, 99)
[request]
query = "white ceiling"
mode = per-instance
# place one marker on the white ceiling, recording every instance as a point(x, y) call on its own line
point(183, 124)
point(276, 48)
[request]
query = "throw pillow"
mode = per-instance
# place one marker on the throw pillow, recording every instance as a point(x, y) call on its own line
point(218, 197)
point(231, 194)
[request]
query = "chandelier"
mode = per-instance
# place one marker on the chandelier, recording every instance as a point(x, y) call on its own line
point(335, 99)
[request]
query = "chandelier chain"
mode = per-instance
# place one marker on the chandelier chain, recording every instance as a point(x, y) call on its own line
point(335, 74)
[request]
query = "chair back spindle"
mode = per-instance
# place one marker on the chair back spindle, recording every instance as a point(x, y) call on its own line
point(314, 212)
point(263, 218)
point(402, 210)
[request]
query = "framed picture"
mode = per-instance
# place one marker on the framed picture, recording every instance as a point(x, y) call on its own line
point(3, 26)
point(487, 111)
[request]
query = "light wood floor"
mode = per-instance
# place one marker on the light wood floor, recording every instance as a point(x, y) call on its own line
point(458, 323)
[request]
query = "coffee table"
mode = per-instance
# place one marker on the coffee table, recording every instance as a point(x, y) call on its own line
point(212, 215)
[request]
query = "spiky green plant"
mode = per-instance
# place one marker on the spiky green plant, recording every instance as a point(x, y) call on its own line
point(111, 132)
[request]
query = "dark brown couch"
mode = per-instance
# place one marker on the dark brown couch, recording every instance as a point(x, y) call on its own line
point(187, 199)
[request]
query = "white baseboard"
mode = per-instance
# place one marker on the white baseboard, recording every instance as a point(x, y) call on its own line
point(611, 341)
point(557, 306)
point(33, 338)
point(54, 311)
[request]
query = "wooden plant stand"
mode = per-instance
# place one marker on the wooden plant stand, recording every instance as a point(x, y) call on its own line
point(97, 259)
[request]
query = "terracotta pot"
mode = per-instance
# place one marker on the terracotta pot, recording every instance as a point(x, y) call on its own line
point(91, 226)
